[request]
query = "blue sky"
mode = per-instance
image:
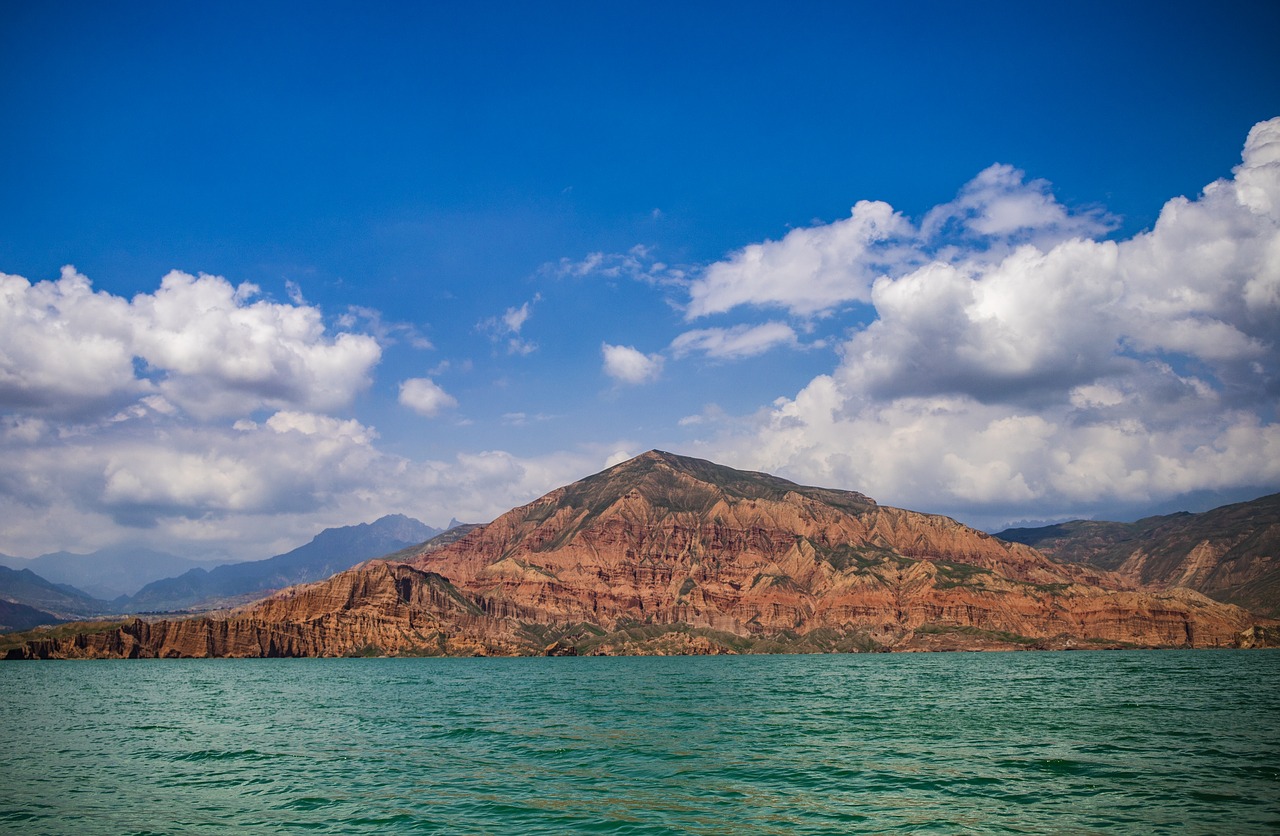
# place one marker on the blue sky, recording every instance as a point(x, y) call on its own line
point(437, 260)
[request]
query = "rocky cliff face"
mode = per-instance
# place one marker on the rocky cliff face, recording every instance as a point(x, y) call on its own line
point(664, 554)
point(1231, 553)
point(378, 608)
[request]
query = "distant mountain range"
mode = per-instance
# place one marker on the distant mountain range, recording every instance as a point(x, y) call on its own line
point(331, 551)
point(62, 602)
point(14, 617)
point(665, 554)
point(1231, 553)
point(108, 573)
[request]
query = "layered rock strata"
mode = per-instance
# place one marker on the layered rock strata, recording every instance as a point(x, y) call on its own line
point(665, 554)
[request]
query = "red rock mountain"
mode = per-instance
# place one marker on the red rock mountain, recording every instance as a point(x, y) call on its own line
point(668, 554)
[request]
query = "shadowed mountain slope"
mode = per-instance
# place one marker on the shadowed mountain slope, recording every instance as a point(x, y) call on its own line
point(21, 617)
point(22, 586)
point(27, 599)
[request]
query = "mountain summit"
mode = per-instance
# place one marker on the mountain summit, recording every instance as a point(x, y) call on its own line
point(674, 540)
point(670, 554)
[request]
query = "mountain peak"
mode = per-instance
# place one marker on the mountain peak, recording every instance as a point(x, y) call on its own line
point(642, 472)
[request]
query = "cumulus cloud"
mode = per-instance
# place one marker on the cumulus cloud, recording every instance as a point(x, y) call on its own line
point(63, 347)
point(810, 271)
point(198, 341)
point(629, 365)
point(999, 204)
point(1031, 323)
point(425, 397)
point(1055, 371)
point(734, 343)
point(816, 270)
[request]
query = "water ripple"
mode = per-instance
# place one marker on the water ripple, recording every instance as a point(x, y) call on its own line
point(1077, 743)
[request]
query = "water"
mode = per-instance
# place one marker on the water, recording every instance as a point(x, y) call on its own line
point(1115, 742)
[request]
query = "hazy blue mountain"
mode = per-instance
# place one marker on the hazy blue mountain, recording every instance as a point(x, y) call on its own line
point(17, 617)
point(333, 550)
point(107, 573)
point(22, 586)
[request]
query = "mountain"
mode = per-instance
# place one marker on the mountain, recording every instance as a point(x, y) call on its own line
point(331, 551)
point(107, 573)
point(24, 587)
point(21, 617)
point(667, 554)
point(1231, 554)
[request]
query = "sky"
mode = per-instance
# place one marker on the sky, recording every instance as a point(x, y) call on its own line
point(271, 268)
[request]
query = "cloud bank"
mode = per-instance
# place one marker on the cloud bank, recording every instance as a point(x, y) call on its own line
point(199, 418)
point(248, 490)
point(1020, 364)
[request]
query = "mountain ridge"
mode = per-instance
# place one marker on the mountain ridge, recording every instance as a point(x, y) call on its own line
point(329, 552)
point(25, 588)
point(1230, 553)
point(668, 554)
point(108, 573)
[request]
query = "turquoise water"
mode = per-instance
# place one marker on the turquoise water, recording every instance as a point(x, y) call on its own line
point(1115, 742)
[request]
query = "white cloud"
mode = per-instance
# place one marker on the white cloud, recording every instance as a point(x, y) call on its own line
point(386, 333)
point(225, 355)
point(201, 343)
point(810, 271)
point(999, 204)
point(710, 414)
point(629, 365)
point(425, 397)
point(63, 347)
point(1032, 322)
point(1055, 373)
point(816, 270)
point(734, 343)
point(246, 491)
point(515, 318)
point(523, 419)
point(637, 263)
point(618, 457)
point(506, 328)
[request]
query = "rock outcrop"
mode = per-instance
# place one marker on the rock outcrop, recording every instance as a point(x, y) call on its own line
point(376, 609)
point(664, 554)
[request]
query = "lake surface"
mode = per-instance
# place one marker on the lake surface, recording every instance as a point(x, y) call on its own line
point(1089, 742)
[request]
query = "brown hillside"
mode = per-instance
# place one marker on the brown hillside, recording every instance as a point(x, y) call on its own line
point(1231, 554)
